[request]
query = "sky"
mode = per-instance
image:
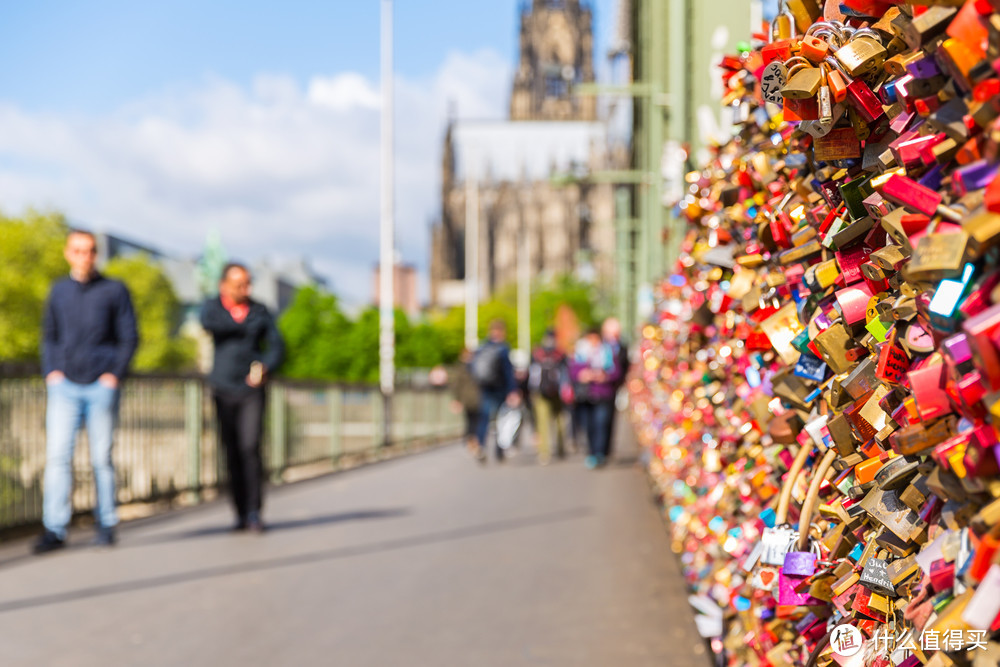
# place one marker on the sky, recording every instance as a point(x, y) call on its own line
point(160, 121)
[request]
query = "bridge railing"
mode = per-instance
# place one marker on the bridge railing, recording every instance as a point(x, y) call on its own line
point(166, 445)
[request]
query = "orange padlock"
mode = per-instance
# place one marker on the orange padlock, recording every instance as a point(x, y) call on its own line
point(814, 48)
point(837, 83)
point(780, 50)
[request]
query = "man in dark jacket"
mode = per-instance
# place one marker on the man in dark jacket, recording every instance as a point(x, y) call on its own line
point(493, 372)
point(88, 339)
point(248, 348)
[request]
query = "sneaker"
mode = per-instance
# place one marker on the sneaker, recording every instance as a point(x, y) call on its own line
point(48, 541)
point(481, 455)
point(602, 461)
point(254, 524)
point(590, 462)
point(105, 537)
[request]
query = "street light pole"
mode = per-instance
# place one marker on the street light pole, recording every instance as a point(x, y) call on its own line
point(524, 292)
point(471, 260)
point(387, 260)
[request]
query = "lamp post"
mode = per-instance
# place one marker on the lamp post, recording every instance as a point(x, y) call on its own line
point(471, 260)
point(387, 262)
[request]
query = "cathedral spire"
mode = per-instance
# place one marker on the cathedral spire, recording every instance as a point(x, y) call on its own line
point(556, 53)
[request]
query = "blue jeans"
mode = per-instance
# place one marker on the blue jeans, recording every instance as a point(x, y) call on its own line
point(489, 404)
point(595, 418)
point(70, 404)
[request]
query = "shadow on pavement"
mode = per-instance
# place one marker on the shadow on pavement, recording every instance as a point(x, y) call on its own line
point(78, 542)
point(288, 524)
point(467, 532)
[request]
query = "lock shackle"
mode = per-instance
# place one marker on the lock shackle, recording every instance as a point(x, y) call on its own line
point(794, 64)
point(828, 28)
point(796, 68)
point(812, 496)
point(866, 32)
point(785, 498)
point(835, 64)
point(791, 21)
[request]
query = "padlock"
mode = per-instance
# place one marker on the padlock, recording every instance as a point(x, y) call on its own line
point(814, 48)
point(804, 12)
point(825, 99)
point(858, 94)
point(803, 80)
point(772, 81)
point(862, 55)
point(927, 25)
point(782, 27)
point(777, 542)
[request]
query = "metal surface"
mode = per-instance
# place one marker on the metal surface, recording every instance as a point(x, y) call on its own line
point(166, 443)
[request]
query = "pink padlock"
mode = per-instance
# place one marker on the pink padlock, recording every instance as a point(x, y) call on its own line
point(788, 596)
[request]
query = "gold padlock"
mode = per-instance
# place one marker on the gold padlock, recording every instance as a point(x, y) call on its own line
point(804, 80)
point(782, 27)
point(863, 54)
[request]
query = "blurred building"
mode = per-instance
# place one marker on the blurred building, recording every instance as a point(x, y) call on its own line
point(529, 176)
point(404, 288)
point(274, 283)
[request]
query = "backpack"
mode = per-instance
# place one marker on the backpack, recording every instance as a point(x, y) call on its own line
point(550, 379)
point(487, 366)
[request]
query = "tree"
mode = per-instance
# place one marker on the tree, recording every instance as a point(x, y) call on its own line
point(31, 260)
point(316, 333)
point(157, 310)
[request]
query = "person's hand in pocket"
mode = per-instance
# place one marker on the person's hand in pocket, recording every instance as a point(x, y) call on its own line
point(55, 377)
point(109, 380)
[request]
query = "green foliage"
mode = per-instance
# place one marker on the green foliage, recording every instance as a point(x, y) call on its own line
point(31, 259)
point(580, 297)
point(315, 332)
point(157, 311)
point(324, 344)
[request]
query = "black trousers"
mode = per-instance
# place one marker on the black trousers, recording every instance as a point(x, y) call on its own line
point(240, 427)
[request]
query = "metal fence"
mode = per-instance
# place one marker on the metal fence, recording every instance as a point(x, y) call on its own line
point(166, 446)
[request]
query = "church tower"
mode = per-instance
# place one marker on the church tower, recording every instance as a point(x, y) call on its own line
point(556, 53)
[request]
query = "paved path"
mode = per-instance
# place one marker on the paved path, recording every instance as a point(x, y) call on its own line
point(427, 560)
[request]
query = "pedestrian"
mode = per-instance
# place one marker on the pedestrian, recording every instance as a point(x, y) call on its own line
point(595, 371)
point(466, 398)
point(494, 373)
point(88, 339)
point(611, 332)
point(548, 378)
point(522, 375)
point(248, 350)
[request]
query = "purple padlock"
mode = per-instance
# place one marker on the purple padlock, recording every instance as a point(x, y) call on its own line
point(799, 564)
point(925, 68)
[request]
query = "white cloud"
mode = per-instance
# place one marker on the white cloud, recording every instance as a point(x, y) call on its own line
point(279, 169)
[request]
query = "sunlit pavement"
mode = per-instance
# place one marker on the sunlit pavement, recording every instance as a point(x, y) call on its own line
point(427, 560)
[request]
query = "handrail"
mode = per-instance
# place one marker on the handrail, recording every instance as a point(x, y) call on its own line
point(166, 443)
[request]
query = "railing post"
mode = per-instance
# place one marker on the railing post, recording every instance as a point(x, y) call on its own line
point(378, 421)
point(335, 398)
point(404, 408)
point(279, 432)
point(444, 416)
point(193, 426)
